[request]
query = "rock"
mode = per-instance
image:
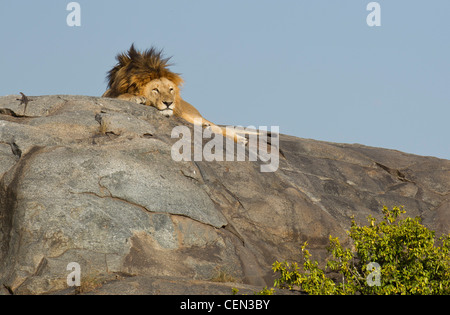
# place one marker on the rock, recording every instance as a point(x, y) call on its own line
point(91, 180)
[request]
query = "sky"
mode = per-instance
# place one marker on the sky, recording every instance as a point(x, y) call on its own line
point(315, 68)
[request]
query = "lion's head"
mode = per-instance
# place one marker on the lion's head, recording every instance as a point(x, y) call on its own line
point(145, 75)
point(163, 94)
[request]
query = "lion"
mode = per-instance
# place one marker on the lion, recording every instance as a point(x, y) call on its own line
point(144, 78)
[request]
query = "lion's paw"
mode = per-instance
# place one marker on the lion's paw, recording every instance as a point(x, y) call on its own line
point(241, 140)
point(139, 99)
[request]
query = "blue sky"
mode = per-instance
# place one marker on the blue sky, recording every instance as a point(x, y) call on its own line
point(314, 68)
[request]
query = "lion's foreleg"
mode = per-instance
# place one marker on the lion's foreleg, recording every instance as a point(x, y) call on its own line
point(192, 115)
point(228, 133)
point(133, 98)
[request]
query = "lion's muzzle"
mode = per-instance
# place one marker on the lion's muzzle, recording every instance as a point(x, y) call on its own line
point(168, 111)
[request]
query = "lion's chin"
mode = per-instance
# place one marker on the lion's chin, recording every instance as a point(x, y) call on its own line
point(166, 112)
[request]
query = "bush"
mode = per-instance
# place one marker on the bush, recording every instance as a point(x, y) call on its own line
point(388, 257)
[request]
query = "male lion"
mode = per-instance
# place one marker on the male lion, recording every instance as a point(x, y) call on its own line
point(144, 78)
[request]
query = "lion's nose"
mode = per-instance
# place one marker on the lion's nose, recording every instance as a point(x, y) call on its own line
point(167, 104)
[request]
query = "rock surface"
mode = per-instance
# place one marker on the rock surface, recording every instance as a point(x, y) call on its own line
point(91, 180)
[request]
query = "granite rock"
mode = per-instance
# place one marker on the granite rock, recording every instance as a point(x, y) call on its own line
point(92, 180)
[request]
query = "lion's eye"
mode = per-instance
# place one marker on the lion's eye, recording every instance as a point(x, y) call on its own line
point(156, 91)
point(171, 90)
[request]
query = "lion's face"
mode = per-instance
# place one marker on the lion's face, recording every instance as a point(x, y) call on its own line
point(162, 94)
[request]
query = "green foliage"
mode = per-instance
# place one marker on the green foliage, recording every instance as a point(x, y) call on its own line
point(407, 261)
point(265, 291)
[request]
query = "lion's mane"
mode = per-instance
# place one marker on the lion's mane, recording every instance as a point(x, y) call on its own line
point(136, 69)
